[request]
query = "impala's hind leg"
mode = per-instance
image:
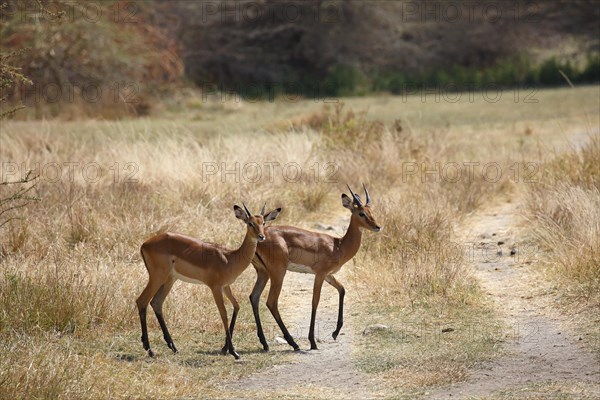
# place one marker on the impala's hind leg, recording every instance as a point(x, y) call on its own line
point(342, 292)
point(273, 305)
point(157, 303)
point(142, 304)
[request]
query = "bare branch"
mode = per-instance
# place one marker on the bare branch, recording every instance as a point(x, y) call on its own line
point(20, 198)
point(26, 179)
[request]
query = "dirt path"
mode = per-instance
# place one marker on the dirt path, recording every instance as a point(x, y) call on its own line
point(325, 373)
point(540, 351)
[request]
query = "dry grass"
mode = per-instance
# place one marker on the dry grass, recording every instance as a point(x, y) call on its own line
point(564, 211)
point(71, 268)
point(547, 391)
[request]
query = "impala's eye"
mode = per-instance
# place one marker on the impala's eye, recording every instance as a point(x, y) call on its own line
point(251, 224)
point(362, 214)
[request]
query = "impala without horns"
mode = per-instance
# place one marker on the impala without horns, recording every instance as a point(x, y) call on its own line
point(292, 249)
point(171, 256)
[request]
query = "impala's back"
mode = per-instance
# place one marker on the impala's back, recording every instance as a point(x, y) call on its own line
point(298, 250)
point(181, 254)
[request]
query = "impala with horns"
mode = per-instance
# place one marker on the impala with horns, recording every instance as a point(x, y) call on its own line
point(292, 249)
point(171, 256)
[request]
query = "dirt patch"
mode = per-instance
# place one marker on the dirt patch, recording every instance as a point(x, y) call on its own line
point(540, 347)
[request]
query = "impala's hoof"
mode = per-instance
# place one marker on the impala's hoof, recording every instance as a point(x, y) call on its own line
point(235, 354)
point(150, 353)
point(334, 335)
point(172, 347)
point(224, 351)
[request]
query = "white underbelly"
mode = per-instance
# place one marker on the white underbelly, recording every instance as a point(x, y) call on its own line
point(303, 269)
point(184, 278)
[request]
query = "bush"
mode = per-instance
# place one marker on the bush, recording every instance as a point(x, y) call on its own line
point(108, 63)
point(591, 72)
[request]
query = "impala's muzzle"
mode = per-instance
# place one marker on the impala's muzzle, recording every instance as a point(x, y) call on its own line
point(261, 237)
point(377, 228)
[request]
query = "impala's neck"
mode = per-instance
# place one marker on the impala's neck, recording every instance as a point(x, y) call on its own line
point(351, 240)
point(240, 258)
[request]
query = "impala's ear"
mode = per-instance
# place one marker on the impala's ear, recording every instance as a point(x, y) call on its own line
point(240, 213)
point(272, 214)
point(347, 202)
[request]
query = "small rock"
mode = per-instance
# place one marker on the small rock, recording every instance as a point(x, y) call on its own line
point(445, 330)
point(580, 338)
point(375, 327)
point(500, 243)
point(493, 234)
point(499, 253)
point(513, 252)
point(280, 340)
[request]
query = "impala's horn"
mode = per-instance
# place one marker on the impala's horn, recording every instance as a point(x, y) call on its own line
point(367, 195)
point(355, 197)
point(247, 211)
point(264, 209)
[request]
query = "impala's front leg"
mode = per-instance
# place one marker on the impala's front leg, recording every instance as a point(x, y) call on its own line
point(342, 292)
point(218, 295)
point(236, 308)
point(315, 303)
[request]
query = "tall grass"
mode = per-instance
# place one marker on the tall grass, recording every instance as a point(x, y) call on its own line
point(565, 212)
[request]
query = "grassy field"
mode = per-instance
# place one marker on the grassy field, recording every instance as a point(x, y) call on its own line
point(71, 268)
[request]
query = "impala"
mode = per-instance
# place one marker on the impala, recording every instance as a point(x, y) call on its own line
point(170, 256)
point(292, 249)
